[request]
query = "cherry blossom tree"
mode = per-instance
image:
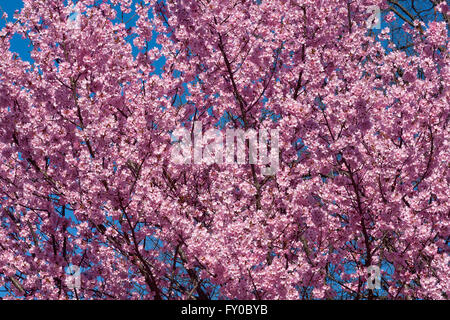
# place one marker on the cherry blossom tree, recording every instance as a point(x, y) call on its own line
point(87, 177)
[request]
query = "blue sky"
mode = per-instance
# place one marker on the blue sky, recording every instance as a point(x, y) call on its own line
point(18, 44)
point(22, 46)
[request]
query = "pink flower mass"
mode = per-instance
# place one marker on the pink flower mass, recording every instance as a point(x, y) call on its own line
point(87, 179)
